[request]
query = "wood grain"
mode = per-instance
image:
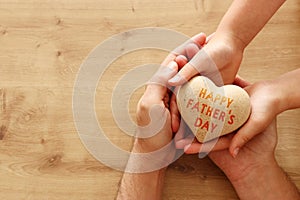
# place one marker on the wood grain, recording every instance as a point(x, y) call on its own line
point(42, 45)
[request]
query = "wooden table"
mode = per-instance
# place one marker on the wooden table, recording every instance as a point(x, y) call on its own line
point(42, 45)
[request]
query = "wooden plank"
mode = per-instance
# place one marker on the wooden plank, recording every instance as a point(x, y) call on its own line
point(42, 45)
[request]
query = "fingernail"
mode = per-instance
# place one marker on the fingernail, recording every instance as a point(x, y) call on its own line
point(236, 152)
point(176, 79)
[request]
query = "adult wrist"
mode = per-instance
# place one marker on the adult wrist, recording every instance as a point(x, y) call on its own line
point(145, 158)
point(266, 182)
point(250, 171)
point(257, 180)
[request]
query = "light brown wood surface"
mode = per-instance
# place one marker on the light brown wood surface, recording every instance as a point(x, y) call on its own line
point(42, 45)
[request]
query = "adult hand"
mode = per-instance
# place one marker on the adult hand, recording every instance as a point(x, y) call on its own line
point(154, 132)
point(255, 174)
point(257, 153)
point(153, 115)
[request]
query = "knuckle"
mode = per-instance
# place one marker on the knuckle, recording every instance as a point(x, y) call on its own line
point(143, 106)
point(142, 111)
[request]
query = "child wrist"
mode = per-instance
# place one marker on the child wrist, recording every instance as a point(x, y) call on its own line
point(234, 40)
point(280, 98)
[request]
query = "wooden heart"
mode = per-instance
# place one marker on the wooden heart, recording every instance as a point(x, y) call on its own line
point(212, 111)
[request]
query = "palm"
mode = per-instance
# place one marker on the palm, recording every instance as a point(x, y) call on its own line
point(259, 149)
point(262, 107)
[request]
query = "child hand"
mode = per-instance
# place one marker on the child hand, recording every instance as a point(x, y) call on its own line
point(265, 105)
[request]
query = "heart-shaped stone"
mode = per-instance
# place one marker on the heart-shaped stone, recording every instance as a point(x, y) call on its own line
point(212, 111)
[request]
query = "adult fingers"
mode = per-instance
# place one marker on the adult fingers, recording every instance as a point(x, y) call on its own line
point(221, 144)
point(182, 132)
point(175, 116)
point(182, 143)
point(170, 57)
point(191, 50)
point(157, 85)
point(199, 40)
point(181, 60)
point(180, 52)
point(200, 64)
